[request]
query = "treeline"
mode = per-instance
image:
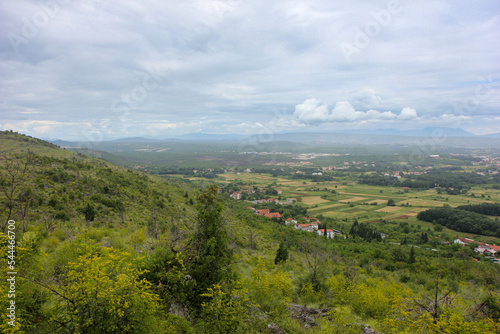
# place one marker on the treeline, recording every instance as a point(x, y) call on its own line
point(189, 171)
point(364, 231)
point(462, 221)
point(457, 181)
point(489, 209)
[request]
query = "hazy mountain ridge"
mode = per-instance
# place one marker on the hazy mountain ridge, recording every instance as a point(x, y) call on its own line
point(440, 136)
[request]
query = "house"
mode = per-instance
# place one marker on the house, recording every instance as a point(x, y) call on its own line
point(463, 241)
point(315, 224)
point(291, 200)
point(481, 246)
point(236, 195)
point(279, 192)
point(483, 249)
point(329, 233)
point(488, 249)
point(290, 221)
point(304, 227)
point(273, 215)
point(249, 207)
point(262, 212)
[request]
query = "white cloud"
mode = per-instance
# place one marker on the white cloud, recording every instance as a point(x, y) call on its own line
point(237, 61)
point(312, 111)
point(408, 114)
point(365, 99)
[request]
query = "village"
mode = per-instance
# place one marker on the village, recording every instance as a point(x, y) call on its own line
point(313, 225)
point(308, 224)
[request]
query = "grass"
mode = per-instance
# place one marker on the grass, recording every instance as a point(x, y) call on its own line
point(355, 201)
point(352, 199)
point(312, 200)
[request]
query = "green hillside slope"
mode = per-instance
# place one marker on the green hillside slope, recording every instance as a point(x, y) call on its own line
point(92, 247)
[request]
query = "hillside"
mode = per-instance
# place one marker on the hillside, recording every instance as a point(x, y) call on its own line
point(104, 249)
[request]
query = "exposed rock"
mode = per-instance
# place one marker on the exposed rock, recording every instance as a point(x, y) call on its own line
point(273, 328)
point(307, 315)
point(308, 320)
point(301, 310)
point(369, 330)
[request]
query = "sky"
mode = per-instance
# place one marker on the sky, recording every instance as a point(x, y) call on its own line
point(97, 70)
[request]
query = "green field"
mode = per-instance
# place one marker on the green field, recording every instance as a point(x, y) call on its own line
point(357, 201)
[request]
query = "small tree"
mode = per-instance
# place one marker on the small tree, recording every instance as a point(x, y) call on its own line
point(281, 254)
point(212, 255)
point(89, 213)
point(412, 258)
point(438, 228)
point(391, 202)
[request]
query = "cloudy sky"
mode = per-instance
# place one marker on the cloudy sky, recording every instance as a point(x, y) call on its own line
point(95, 70)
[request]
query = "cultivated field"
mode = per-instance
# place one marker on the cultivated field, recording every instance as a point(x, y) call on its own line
point(344, 199)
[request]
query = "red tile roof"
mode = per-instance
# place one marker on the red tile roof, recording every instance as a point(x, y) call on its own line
point(495, 247)
point(273, 215)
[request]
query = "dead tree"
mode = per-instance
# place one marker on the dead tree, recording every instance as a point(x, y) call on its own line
point(314, 257)
point(14, 172)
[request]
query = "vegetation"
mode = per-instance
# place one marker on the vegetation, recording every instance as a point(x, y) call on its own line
point(104, 249)
point(490, 209)
point(461, 220)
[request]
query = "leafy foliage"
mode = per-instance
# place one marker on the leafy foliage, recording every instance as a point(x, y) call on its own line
point(490, 209)
point(281, 254)
point(211, 252)
point(461, 220)
point(149, 259)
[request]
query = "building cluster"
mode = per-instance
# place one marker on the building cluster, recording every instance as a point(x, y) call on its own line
point(311, 225)
point(238, 195)
point(481, 247)
point(487, 161)
point(266, 213)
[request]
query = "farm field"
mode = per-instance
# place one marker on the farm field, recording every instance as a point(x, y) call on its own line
point(347, 200)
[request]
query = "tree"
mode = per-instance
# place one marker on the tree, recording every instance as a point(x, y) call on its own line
point(102, 293)
point(14, 172)
point(211, 252)
point(391, 202)
point(314, 257)
point(89, 213)
point(412, 258)
point(281, 254)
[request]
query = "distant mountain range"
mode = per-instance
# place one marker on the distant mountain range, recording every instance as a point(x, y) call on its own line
point(426, 132)
point(442, 136)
